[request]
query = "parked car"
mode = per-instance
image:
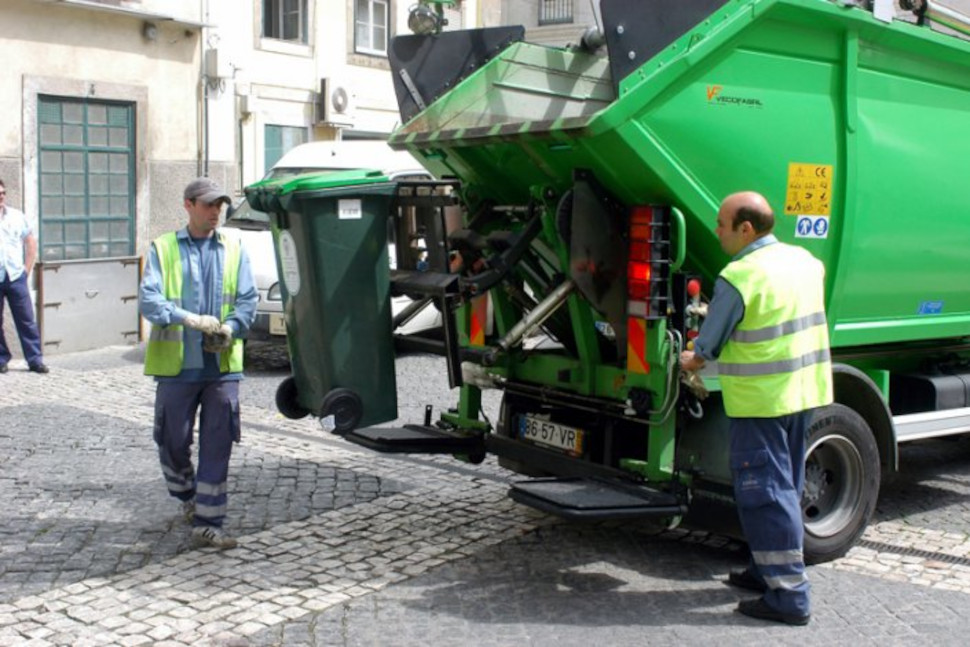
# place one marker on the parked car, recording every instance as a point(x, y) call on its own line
point(253, 227)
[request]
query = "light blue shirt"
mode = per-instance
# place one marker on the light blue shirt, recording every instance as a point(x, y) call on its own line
point(14, 230)
point(725, 311)
point(202, 262)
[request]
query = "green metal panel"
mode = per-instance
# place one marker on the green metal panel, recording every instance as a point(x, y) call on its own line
point(882, 110)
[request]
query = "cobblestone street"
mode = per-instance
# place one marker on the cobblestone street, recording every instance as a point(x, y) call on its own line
point(341, 546)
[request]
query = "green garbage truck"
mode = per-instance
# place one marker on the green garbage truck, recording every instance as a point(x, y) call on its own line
point(589, 179)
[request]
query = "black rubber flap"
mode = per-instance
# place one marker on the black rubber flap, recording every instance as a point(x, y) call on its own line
point(425, 67)
point(636, 30)
point(595, 498)
point(435, 284)
point(416, 439)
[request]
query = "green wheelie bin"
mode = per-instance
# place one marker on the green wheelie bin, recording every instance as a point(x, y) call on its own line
point(330, 236)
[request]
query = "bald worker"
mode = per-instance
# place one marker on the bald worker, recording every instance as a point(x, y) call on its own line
point(766, 327)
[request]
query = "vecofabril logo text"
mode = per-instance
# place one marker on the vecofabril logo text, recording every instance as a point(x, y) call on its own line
point(717, 97)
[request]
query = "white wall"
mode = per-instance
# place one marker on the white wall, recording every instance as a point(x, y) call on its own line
point(60, 50)
point(281, 80)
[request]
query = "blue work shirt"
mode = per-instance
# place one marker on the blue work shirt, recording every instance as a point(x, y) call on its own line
point(14, 230)
point(202, 265)
point(725, 310)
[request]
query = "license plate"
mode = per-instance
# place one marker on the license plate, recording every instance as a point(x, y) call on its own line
point(551, 434)
point(277, 325)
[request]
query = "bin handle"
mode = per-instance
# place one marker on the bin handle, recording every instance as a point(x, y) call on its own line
point(680, 227)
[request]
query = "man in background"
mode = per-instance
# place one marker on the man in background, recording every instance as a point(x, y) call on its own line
point(18, 253)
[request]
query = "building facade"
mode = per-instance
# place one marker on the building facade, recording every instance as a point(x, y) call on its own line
point(551, 22)
point(112, 106)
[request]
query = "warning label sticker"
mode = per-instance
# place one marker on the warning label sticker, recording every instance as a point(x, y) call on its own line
point(809, 190)
point(812, 227)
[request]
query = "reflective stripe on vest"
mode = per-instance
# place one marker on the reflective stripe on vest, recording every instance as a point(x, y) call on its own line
point(777, 361)
point(165, 352)
point(230, 361)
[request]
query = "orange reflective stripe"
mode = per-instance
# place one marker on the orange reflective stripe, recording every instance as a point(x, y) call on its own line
point(479, 317)
point(636, 345)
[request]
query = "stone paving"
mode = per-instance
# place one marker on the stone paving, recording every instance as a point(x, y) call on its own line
point(340, 546)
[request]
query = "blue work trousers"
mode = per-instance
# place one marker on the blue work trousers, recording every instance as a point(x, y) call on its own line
point(176, 404)
point(768, 465)
point(17, 294)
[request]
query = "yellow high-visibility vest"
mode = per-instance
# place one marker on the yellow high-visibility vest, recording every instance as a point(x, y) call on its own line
point(777, 361)
point(165, 352)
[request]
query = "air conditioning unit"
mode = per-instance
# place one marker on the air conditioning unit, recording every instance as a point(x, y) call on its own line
point(336, 104)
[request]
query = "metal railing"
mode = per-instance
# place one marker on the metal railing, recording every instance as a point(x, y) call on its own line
point(555, 12)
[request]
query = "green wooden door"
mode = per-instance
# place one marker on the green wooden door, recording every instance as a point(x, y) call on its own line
point(87, 178)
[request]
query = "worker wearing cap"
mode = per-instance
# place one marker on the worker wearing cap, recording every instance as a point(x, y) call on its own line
point(766, 327)
point(199, 294)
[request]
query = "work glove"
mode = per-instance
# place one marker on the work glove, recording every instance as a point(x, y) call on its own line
point(206, 324)
point(695, 383)
point(219, 341)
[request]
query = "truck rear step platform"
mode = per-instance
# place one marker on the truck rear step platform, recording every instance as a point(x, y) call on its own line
point(416, 439)
point(592, 499)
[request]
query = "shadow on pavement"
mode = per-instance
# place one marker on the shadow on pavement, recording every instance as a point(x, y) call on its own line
point(83, 497)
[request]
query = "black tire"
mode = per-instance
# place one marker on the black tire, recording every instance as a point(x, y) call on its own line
point(287, 400)
point(345, 406)
point(476, 457)
point(841, 482)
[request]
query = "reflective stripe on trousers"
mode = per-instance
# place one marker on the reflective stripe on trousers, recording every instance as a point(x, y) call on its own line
point(768, 465)
point(176, 405)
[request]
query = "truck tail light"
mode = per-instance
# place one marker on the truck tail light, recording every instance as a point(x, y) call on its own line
point(638, 280)
point(647, 274)
point(648, 261)
point(638, 264)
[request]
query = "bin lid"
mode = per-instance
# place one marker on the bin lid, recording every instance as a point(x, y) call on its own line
point(275, 194)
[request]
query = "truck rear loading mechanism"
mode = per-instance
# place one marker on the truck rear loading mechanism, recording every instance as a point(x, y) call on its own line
point(587, 184)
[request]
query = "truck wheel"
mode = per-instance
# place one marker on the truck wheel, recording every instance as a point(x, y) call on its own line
point(287, 402)
point(841, 482)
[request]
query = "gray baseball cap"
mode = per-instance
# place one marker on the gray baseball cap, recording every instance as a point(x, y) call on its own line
point(207, 190)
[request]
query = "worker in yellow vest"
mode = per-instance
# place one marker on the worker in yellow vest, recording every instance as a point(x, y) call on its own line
point(766, 327)
point(199, 294)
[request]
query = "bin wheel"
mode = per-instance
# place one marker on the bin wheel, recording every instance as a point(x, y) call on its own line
point(475, 457)
point(346, 408)
point(287, 402)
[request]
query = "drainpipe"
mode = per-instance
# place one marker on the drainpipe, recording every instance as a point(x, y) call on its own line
point(202, 159)
point(205, 119)
point(239, 152)
point(205, 128)
point(200, 105)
